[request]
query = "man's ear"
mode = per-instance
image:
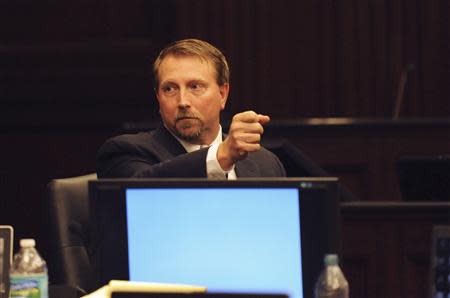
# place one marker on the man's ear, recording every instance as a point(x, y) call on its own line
point(224, 89)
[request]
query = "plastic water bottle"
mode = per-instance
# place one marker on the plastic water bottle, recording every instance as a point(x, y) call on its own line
point(28, 273)
point(331, 282)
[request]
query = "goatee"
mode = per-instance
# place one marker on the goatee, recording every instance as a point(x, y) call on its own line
point(188, 127)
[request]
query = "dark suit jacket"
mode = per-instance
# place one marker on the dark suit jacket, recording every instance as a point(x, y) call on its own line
point(159, 154)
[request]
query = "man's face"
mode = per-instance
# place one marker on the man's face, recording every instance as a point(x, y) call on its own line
point(190, 100)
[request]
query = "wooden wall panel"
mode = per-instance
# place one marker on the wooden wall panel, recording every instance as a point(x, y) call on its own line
point(47, 21)
point(328, 58)
point(386, 247)
point(289, 58)
point(363, 153)
point(360, 267)
point(417, 264)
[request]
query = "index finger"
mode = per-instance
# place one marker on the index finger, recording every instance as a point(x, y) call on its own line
point(263, 119)
point(247, 116)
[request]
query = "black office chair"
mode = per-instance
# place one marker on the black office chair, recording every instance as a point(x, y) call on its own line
point(68, 258)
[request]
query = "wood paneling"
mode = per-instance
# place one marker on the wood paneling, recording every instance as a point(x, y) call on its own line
point(289, 59)
point(329, 58)
point(363, 152)
point(30, 159)
point(50, 22)
point(386, 247)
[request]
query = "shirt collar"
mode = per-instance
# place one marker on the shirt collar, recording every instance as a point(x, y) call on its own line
point(189, 147)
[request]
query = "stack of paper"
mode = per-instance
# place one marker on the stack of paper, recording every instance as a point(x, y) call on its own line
point(142, 287)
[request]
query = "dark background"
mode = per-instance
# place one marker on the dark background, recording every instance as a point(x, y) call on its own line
point(73, 72)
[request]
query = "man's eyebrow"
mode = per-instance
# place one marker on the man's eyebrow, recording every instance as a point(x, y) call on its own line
point(198, 81)
point(192, 81)
point(167, 82)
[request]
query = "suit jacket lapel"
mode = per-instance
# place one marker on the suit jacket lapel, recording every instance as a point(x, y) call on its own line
point(167, 143)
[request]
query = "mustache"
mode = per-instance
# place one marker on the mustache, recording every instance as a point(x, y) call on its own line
point(186, 115)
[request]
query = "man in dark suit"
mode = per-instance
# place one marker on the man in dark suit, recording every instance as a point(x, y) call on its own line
point(192, 86)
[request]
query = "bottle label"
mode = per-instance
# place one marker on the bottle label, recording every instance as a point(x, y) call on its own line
point(29, 286)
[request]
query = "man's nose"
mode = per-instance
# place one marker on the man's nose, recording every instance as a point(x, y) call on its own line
point(184, 98)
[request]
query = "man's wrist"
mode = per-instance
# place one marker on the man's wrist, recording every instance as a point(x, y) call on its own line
point(226, 163)
point(213, 167)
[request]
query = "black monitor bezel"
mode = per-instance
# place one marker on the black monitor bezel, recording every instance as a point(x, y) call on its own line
point(6, 235)
point(320, 220)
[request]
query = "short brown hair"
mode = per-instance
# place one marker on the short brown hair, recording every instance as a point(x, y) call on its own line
point(199, 48)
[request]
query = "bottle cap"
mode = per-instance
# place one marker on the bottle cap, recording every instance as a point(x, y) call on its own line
point(27, 243)
point(331, 259)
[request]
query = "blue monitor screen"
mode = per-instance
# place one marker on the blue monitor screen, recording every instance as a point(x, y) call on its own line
point(229, 240)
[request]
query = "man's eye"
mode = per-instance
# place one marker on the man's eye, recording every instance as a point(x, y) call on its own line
point(197, 87)
point(168, 89)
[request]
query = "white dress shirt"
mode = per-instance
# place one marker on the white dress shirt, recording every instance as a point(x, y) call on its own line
point(213, 168)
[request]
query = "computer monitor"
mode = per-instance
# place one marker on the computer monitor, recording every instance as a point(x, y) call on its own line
point(245, 236)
